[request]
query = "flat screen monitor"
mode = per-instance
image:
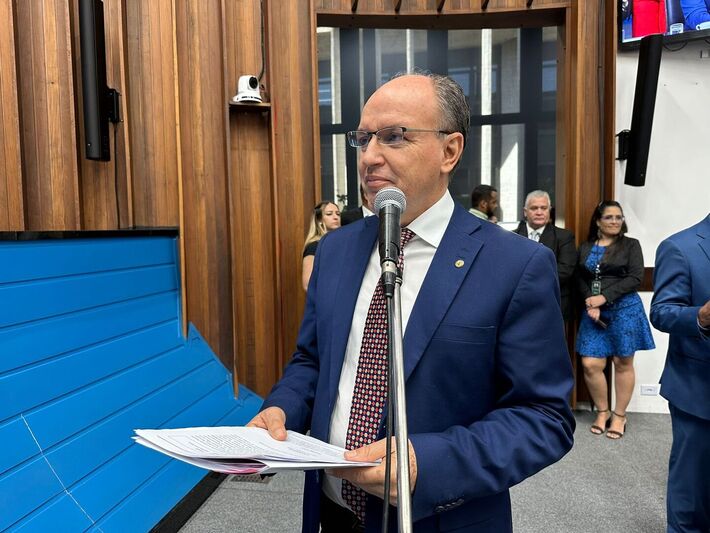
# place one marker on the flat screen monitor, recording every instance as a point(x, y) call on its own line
point(676, 20)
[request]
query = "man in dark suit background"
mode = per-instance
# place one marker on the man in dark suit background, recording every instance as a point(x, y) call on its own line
point(484, 202)
point(681, 307)
point(538, 226)
point(353, 215)
point(487, 385)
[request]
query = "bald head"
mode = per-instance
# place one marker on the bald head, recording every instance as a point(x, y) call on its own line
point(425, 153)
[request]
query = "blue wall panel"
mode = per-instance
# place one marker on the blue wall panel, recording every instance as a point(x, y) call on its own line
point(23, 261)
point(26, 488)
point(91, 349)
point(27, 344)
point(23, 445)
point(61, 515)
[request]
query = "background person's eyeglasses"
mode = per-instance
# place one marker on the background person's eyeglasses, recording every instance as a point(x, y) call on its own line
point(609, 218)
point(388, 136)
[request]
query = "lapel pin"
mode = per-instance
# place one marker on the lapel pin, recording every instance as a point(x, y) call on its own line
point(459, 263)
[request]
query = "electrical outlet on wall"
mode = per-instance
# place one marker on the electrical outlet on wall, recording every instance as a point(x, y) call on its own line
point(650, 390)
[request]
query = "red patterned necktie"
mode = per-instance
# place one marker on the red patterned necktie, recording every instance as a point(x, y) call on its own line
point(370, 391)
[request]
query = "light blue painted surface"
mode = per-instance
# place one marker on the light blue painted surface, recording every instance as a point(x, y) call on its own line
point(91, 349)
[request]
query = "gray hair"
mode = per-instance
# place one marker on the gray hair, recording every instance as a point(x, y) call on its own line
point(537, 194)
point(453, 107)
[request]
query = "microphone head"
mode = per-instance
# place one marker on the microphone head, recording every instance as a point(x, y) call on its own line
point(390, 196)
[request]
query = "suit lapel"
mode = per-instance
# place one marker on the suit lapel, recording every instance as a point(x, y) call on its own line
point(547, 237)
point(351, 274)
point(441, 284)
point(522, 229)
point(704, 234)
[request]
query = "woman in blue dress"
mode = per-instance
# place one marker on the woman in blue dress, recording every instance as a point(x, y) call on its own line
point(614, 324)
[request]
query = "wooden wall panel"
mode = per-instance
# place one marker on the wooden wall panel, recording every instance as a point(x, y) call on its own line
point(102, 180)
point(47, 118)
point(203, 141)
point(291, 31)
point(11, 202)
point(583, 137)
point(255, 280)
point(257, 328)
point(386, 7)
point(152, 109)
point(610, 36)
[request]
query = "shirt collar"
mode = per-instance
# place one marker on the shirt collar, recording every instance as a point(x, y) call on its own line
point(479, 214)
point(530, 229)
point(432, 223)
point(366, 212)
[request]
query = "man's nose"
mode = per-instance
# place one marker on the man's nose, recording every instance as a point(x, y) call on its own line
point(371, 153)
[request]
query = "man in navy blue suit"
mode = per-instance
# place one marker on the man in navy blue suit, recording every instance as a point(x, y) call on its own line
point(487, 371)
point(696, 13)
point(681, 307)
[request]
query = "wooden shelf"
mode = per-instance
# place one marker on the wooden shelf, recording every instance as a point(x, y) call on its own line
point(253, 107)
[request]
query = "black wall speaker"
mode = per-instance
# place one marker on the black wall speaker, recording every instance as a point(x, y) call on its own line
point(100, 102)
point(644, 104)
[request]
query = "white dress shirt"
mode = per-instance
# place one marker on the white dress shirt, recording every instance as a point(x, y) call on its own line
point(429, 228)
point(534, 234)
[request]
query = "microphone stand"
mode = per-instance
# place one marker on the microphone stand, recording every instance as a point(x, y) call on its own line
point(396, 371)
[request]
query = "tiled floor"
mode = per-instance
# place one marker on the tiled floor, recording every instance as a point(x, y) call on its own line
point(601, 485)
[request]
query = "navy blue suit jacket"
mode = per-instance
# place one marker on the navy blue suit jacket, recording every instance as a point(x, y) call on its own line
point(487, 371)
point(681, 284)
point(695, 12)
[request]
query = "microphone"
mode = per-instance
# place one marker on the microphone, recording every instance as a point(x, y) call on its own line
point(390, 203)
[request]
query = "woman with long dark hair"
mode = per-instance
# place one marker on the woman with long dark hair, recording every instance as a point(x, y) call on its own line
point(614, 324)
point(325, 217)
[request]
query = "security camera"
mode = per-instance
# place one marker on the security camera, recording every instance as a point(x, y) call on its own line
point(247, 89)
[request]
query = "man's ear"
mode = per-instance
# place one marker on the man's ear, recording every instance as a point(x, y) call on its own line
point(453, 150)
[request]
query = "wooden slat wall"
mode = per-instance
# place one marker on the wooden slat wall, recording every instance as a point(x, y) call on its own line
point(151, 84)
point(581, 104)
point(291, 34)
point(100, 209)
point(240, 184)
point(204, 153)
point(380, 7)
point(255, 287)
point(47, 118)
point(11, 202)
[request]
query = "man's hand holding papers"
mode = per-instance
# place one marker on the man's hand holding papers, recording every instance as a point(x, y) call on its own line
point(244, 450)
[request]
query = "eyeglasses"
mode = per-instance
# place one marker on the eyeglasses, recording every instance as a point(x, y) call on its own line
point(609, 218)
point(388, 136)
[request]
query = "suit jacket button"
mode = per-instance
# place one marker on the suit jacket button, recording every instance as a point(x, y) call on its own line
point(439, 509)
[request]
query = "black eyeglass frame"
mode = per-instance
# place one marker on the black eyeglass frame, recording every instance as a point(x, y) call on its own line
point(352, 140)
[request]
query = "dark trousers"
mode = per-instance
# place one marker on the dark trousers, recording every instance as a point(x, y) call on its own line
point(337, 519)
point(688, 501)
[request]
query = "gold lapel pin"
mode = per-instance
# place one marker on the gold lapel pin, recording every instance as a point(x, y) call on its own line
point(459, 263)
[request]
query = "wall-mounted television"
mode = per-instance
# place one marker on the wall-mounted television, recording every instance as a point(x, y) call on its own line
point(677, 20)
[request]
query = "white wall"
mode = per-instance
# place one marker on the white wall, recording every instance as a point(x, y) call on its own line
point(677, 191)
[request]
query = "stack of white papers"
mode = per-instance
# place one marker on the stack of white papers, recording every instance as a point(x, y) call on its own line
point(244, 450)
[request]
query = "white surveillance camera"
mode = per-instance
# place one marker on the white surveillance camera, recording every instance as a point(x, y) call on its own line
point(247, 89)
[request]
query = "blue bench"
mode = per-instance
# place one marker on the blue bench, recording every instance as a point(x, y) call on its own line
point(91, 348)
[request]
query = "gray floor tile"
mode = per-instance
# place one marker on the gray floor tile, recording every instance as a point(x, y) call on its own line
point(601, 485)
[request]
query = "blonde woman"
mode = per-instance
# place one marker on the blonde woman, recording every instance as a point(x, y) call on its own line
point(325, 218)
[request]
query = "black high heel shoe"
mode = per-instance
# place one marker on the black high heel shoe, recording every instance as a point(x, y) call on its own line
point(612, 433)
point(598, 430)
